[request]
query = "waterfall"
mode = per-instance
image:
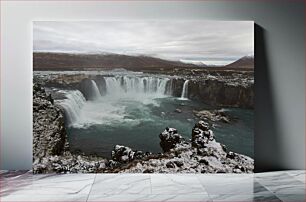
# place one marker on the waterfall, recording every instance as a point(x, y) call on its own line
point(184, 94)
point(169, 87)
point(95, 90)
point(135, 85)
point(143, 89)
point(72, 105)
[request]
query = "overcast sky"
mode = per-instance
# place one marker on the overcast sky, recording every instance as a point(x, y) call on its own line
point(210, 42)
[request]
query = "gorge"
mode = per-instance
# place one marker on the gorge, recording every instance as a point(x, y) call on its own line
point(103, 109)
point(201, 154)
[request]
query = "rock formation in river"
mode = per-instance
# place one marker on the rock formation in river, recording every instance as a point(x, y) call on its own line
point(169, 138)
point(213, 116)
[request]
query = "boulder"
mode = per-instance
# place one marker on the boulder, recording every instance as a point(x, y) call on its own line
point(169, 138)
point(178, 163)
point(213, 116)
point(231, 155)
point(201, 135)
point(123, 154)
point(170, 164)
point(178, 110)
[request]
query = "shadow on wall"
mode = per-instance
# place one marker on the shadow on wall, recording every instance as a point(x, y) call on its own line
point(268, 154)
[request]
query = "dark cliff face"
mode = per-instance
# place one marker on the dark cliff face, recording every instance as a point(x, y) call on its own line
point(225, 90)
point(83, 86)
point(217, 93)
point(177, 87)
point(101, 83)
point(49, 133)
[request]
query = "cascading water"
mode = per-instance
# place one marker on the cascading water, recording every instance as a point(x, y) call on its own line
point(72, 105)
point(135, 85)
point(109, 108)
point(95, 90)
point(169, 87)
point(184, 94)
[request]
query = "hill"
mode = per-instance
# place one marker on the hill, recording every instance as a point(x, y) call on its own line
point(67, 61)
point(246, 62)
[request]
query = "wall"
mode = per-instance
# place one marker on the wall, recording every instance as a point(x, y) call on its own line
point(280, 67)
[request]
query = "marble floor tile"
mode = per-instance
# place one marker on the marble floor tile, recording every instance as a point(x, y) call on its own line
point(293, 189)
point(259, 190)
point(44, 198)
point(268, 197)
point(13, 173)
point(13, 181)
point(298, 175)
point(176, 184)
point(150, 198)
point(278, 173)
point(230, 198)
point(287, 186)
point(50, 184)
point(244, 198)
point(114, 184)
point(292, 197)
point(282, 183)
point(224, 184)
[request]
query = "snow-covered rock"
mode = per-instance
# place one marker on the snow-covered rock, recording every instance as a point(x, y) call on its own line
point(169, 138)
point(122, 154)
point(203, 154)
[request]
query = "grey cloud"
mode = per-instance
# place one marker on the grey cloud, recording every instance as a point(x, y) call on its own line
point(221, 41)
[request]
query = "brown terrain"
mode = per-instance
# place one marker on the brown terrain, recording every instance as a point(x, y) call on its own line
point(246, 62)
point(65, 61)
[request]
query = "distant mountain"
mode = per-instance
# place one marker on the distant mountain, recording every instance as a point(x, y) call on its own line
point(197, 63)
point(246, 62)
point(68, 61)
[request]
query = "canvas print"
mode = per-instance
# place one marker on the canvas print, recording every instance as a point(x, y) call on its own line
point(143, 96)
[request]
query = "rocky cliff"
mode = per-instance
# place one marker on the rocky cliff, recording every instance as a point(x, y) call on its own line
point(50, 145)
point(49, 134)
point(221, 89)
point(235, 90)
point(222, 93)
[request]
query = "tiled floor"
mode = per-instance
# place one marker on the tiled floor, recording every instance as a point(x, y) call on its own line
point(270, 186)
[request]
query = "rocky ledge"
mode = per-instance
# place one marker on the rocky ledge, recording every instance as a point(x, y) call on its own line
point(225, 89)
point(221, 89)
point(201, 154)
